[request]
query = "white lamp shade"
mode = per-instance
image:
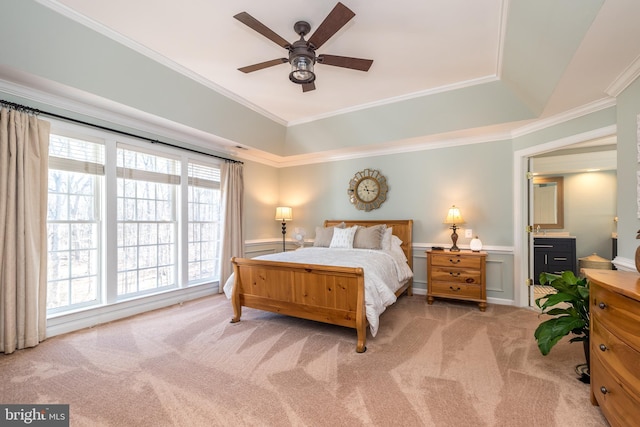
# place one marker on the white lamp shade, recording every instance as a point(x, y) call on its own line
point(284, 213)
point(454, 216)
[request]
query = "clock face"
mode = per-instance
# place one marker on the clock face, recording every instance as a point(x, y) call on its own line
point(367, 189)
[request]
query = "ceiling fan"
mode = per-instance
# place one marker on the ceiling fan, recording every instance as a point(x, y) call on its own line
point(302, 53)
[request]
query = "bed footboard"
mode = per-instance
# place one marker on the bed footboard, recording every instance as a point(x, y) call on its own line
point(322, 293)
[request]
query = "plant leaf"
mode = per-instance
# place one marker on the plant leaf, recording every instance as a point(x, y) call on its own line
point(557, 298)
point(549, 332)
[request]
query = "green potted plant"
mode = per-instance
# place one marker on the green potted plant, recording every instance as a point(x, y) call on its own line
point(569, 308)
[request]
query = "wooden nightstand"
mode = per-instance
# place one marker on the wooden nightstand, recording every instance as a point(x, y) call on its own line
point(457, 275)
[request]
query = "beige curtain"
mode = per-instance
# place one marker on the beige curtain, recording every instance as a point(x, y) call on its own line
point(232, 211)
point(24, 146)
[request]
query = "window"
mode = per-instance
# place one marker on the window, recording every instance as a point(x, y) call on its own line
point(147, 189)
point(146, 222)
point(204, 222)
point(76, 169)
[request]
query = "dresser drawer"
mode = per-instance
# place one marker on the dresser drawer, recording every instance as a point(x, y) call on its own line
point(618, 314)
point(457, 290)
point(617, 357)
point(453, 260)
point(616, 404)
point(457, 275)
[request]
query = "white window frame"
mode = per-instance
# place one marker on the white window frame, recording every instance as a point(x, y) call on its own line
point(97, 171)
point(213, 185)
point(112, 307)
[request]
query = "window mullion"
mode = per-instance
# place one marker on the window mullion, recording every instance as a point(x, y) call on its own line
point(111, 224)
point(183, 222)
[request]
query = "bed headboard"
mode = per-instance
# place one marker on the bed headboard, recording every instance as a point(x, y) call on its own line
point(403, 228)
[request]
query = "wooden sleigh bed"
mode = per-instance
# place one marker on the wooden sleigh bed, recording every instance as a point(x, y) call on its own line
point(322, 293)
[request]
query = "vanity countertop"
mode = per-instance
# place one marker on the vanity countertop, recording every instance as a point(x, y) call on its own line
point(552, 235)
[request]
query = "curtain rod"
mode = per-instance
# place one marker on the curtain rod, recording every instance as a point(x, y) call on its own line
point(35, 111)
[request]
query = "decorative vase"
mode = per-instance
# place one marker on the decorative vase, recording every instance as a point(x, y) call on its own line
point(475, 244)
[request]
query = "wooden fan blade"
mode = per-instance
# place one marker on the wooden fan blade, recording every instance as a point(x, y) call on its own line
point(306, 87)
point(258, 26)
point(261, 65)
point(336, 19)
point(346, 62)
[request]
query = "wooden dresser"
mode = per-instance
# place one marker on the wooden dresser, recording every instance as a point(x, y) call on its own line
point(457, 275)
point(615, 344)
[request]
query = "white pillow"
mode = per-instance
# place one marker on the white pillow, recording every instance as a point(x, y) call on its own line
point(396, 250)
point(386, 239)
point(343, 237)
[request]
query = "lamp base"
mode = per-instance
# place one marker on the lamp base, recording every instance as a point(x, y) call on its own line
point(284, 233)
point(454, 240)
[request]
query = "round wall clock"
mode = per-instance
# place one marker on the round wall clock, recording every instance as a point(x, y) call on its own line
point(367, 190)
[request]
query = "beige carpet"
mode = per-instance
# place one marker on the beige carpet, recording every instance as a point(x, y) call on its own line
point(447, 364)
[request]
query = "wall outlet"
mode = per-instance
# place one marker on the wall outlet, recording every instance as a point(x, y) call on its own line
point(468, 233)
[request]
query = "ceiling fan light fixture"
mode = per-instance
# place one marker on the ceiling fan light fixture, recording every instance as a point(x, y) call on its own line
point(302, 69)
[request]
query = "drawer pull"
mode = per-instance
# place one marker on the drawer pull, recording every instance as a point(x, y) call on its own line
point(454, 261)
point(602, 305)
point(603, 347)
point(455, 290)
point(455, 274)
point(469, 280)
point(559, 258)
point(604, 390)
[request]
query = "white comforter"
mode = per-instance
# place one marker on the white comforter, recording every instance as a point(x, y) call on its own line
point(384, 273)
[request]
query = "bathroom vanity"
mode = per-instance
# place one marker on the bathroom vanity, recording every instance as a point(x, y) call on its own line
point(553, 254)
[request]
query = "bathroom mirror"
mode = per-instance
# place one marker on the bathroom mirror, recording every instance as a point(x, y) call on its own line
point(548, 202)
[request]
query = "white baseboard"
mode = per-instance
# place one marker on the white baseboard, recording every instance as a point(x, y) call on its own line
point(94, 316)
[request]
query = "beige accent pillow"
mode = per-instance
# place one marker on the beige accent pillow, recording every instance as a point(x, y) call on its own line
point(369, 237)
point(324, 235)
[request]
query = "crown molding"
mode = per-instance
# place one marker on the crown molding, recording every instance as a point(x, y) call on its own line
point(628, 76)
point(538, 125)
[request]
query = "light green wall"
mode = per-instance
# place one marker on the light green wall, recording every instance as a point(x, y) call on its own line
point(628, 104)
point(590, 207)
point(261, 194)
point(422, 186)
point(471, 107)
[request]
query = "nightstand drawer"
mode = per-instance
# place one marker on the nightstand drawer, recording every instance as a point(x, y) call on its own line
point(457, 290)
point(455, 260)
point(457, 275)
